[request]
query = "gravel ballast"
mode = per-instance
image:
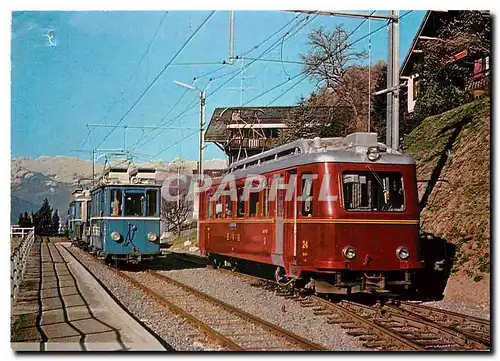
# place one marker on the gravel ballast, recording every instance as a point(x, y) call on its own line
point(176, 331)
point(285, 313)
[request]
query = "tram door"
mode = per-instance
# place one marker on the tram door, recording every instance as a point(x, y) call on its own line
point(277, 254)
point(290, 217)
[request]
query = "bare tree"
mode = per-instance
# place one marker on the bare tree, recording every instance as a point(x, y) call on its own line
point(329, 55)
point(176, 214)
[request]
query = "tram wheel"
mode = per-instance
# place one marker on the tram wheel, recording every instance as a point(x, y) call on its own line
point(215, 263)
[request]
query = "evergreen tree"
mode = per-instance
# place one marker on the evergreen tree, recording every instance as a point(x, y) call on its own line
point(27, 220)
point(21, 221)
point(55, 223)
point(44, 218)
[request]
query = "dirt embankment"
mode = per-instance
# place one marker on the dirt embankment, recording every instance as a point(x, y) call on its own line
point(452, 151)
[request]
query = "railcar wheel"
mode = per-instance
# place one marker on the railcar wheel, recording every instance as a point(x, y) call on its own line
point(214, 262)
point(235, 266)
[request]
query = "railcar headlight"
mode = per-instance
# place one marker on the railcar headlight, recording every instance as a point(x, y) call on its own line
point(115, 236)
point(403, 253)
point(349, 253)
point(152, 236)
point(373, 154)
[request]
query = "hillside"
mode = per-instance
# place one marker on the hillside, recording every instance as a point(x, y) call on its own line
point(452, 151)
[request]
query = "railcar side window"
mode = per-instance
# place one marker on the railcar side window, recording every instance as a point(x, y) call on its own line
point(151, 196)
point(265, 202)
point(228, 206)
point(254, 204)
point(373, 191)
point(116, 202)
point(209, 206)
point(218, 207)
point(134, 204)
point(241, 203)
point(307, 195)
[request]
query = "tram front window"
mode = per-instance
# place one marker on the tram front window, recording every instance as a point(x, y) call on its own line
point(134, 204)
point(151, 197)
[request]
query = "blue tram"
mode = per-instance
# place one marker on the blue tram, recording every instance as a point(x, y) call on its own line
point(125, 215)
point(78, 216)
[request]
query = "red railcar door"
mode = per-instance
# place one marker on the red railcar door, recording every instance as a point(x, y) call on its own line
point(290, 219)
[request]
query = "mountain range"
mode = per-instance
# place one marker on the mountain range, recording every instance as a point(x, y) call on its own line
point(54, 178)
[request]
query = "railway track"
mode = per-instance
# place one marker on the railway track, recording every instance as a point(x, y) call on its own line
point(391, 327)
point(234, 328)
point(475, 328)
point(162, 342)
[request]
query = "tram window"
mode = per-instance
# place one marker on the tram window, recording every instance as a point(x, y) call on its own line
point(373, 191)
point(254, 204)
point(228, 207)
point(151, 196)
point(116, 202)
point(265, 202)
point(209, 206)
point(307, 195)
point(134, 204)
point(218, 207)
point(241, 203)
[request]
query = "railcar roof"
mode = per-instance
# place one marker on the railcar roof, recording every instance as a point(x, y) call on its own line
point(126, 186)
point(350, 149)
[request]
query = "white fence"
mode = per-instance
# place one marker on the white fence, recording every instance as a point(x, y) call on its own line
point(18, 261)
point(15, 230)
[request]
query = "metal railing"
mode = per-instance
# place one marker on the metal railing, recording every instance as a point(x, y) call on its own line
point(15, 230)
point(18, 261)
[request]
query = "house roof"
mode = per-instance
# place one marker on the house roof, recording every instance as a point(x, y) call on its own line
point(217, 130)
point(430, 26)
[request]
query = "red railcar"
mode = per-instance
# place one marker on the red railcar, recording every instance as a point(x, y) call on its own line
point(340, 212)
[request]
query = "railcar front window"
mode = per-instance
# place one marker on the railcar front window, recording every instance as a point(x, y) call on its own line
point(116, 202)
point(151, 196)
point(372, 191)
point(134, 204)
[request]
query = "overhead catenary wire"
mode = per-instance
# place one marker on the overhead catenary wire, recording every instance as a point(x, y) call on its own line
point(120, 95)
point(270, 48)
point(354, 42)
point(236, 72)
point(157, 77)
point(295, 84)
point(251, 49)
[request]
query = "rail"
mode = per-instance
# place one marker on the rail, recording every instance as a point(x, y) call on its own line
point(423, 328)
point(18, 263)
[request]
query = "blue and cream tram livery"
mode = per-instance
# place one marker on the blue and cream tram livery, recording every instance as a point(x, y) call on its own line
point(78, 216)
point(125, 215)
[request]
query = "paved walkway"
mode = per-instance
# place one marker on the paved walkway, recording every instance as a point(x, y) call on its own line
point(61, 307)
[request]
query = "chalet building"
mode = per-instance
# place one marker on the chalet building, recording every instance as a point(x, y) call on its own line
point(429, 29)
point(241, 132)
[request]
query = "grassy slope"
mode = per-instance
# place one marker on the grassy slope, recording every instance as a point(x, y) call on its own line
point(454, 147)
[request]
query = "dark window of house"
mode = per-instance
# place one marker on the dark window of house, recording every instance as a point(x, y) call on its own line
point(134, 204)
point(151, 197)
point(373, 191)
point(307, 195)
point(241, 203)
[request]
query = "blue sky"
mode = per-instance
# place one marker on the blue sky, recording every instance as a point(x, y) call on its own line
point(69, 69)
